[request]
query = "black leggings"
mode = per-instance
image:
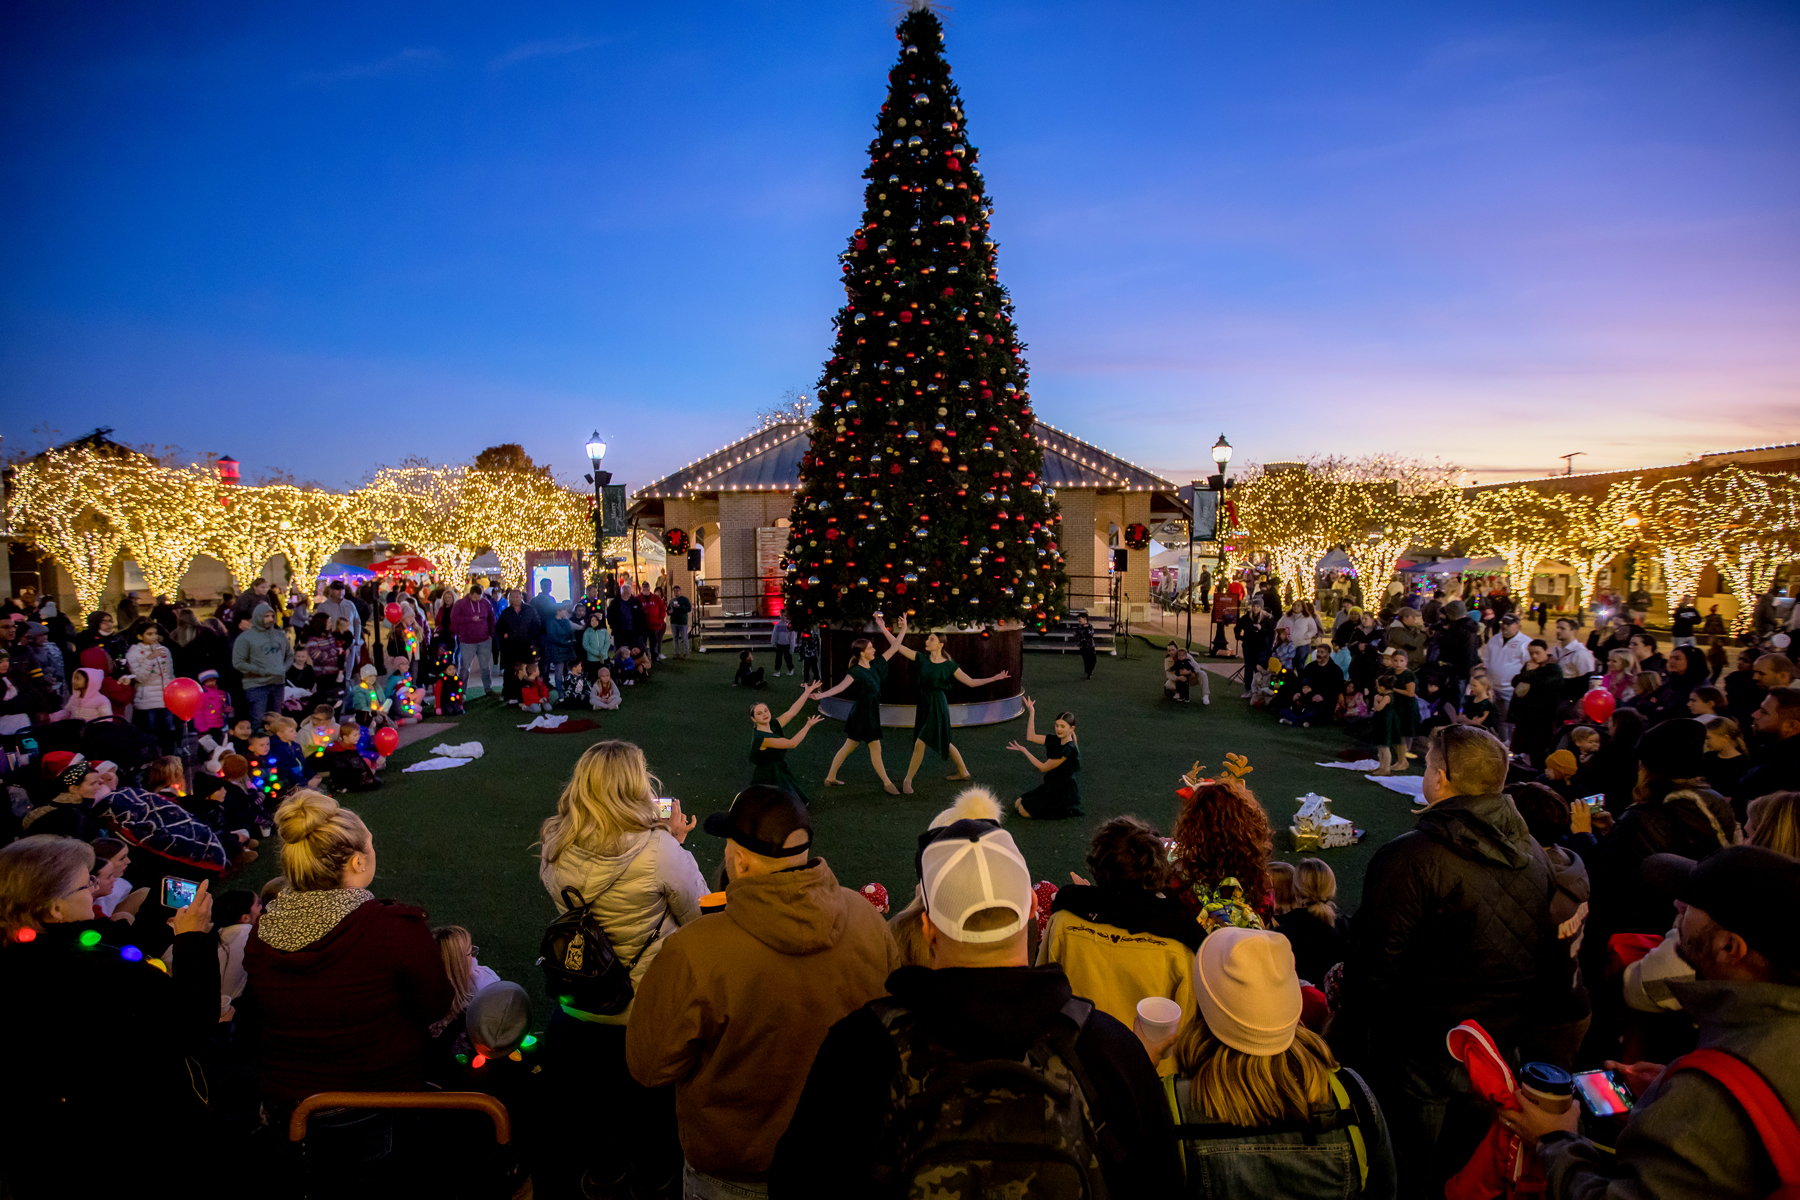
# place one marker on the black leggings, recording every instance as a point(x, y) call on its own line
point(784, 655)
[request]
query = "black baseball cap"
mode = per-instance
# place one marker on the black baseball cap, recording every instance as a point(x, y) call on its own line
point(1750, 890)
point(761, 819)
point(1511, 618)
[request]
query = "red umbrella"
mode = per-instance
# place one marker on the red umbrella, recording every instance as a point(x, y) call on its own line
point(403, 564)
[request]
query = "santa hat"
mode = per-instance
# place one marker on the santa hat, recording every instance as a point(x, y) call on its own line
point(58, 761)
point(876, 894)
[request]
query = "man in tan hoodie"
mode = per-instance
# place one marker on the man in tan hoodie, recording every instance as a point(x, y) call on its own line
point(737, 1003)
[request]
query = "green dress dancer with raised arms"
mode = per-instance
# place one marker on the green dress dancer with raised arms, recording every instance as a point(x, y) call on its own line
point(863, 680)
point(769, 743)
point(935, 674)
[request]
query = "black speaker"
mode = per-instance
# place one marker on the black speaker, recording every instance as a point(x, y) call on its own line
point(694, 555)
point(1119, 560)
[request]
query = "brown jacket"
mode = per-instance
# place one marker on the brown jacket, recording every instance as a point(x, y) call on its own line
point(738, 1002)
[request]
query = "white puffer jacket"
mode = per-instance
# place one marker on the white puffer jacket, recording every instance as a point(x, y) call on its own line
point(152, 669)
point(653, 886)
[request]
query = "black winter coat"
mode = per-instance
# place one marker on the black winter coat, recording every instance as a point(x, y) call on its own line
point(63, 1086)
point(1456, 924)
point(1459, 646)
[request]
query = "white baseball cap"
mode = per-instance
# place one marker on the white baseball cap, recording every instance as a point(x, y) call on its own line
point(970, 866)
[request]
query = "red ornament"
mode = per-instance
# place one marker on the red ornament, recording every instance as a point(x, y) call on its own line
point(831, 535)
point(1598, 705)
point(949, 291)
point(906, 316)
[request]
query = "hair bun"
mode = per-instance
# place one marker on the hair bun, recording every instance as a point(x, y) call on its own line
point(304, 814)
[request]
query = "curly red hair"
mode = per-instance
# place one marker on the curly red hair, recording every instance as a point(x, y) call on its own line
point(1223, 831)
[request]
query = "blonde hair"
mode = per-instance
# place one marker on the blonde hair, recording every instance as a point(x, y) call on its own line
point(277, 722)
point(320, 836)
point(1315, 888)
point(909, 932)
point(454, 946)
point(1729, 728)
point(34, 874)
point(166, 771)
point(1281, 885)
point(1253, 1090)
point(610, 795)
point(1776, 818)
point(1622, 659)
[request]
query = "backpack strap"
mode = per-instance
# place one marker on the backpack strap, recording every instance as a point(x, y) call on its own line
point(1354, 1102)
point(1774, 1124)
point(1063, 1042)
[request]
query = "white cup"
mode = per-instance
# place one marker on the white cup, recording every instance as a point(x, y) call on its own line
point(1158, 1017)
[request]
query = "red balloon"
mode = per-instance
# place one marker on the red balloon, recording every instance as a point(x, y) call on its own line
point(393, 614)
point(387, 740)
point(182, 697)
point(1598, 704)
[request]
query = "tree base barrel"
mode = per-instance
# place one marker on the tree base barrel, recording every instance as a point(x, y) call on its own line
point(1000, 650)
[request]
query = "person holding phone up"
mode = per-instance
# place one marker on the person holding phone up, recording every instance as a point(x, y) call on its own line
point(1690, 1132)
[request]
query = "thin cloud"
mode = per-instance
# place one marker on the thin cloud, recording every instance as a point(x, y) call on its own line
point(554, 48)
point(412, 58)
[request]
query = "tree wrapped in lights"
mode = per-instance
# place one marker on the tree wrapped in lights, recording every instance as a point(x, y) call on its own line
point(514, 512)
point(922, 487)
point(52, 499)
point(1746, 523)
point(1520, 524)
point(1600, 528)
point(1383, 519)
point(1290, 516)
point(165, 513)
point(310, 526)
point(422, 506)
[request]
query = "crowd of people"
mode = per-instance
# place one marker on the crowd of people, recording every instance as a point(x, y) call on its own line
point(1190, 1016)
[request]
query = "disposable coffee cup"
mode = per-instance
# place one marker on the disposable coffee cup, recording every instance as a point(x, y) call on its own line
point(712, 902)
point(1158, 1017)
point(1549, 1086)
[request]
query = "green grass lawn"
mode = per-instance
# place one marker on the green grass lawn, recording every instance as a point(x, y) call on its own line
point(459, 843)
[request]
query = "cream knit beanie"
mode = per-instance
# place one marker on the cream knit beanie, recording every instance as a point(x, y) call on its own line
point(1248, 990)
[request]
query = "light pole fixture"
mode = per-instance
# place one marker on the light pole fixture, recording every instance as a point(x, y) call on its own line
point(1221, 452)
point(596, 452)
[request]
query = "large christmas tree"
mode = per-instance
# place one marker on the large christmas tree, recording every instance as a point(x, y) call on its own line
point(922, 490)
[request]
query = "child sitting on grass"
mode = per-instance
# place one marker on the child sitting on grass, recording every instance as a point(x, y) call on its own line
point(350, 770)
point(534, 697)
point(605, 693)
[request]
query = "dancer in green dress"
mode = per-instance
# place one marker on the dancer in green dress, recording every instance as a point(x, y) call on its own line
point(931, 724)
point(1058, 795)
point(863, 681)
point(769, 743)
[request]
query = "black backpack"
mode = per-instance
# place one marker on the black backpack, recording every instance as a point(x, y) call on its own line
point(580, 968)
point(960, 1130)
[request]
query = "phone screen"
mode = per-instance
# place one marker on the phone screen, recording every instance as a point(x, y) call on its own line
point(665, 809)
point(178, 893)
point(1601, 1094)
point(1594, 801)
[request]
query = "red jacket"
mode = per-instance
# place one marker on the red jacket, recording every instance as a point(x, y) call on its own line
point(654, 611)
point(349, 1011)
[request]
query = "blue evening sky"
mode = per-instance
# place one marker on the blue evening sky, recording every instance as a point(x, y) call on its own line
point(321, 236)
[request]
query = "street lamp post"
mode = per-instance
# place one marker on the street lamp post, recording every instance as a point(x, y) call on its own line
point(1221, 454)
point(596, 452)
